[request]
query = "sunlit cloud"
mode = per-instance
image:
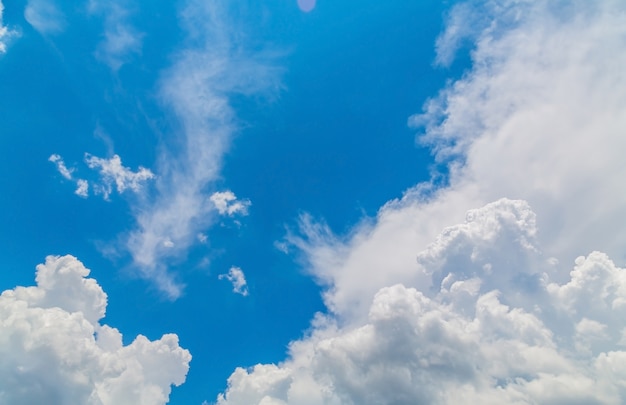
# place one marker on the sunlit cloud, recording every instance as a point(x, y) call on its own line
point(226, 203)
point(458, 295)
point(55, 350)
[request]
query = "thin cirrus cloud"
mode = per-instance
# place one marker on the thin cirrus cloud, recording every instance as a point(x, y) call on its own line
point(212, 67)
point(55, 350)
point(438, 303)
point(121, 40)
point(45, 16)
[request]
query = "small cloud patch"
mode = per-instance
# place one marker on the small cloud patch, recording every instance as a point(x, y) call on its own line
point(237, 278)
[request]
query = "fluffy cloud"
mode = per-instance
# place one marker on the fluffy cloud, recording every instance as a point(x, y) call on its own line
point(238, 279)
point(462, 339)
point(113, 172)
point(197, 89)
point(44, 16)
point(491, 311)
point(226, 203)
point(54, 350)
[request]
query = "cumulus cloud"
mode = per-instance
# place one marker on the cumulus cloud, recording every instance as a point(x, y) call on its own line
point(489, 310)
point(226, 203)
point(55, 350)
point(464, 339)
point(121, 40)
point(44, 16)
point(238, 279)
point(112, 172)
point(197, 88)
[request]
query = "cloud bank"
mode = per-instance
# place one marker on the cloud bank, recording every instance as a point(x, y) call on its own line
point(428, 308)
point(55, 350)
point(492, 327)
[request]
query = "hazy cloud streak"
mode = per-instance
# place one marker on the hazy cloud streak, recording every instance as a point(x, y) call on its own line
point(214, 65)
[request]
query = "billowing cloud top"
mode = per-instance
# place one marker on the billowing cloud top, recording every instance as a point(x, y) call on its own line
point(54, 350)
point(427, 309)
point(492, 328)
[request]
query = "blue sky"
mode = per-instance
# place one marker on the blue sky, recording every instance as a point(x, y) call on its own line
point(312, 202)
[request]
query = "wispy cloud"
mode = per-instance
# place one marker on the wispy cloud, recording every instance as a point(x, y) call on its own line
point(214, 65)
point(238, 279)
point(60, 165)
point(45, 16)
point(121, 40)
point(513, 304)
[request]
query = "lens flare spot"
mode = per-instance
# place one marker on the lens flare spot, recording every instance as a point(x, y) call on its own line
point(306, 5)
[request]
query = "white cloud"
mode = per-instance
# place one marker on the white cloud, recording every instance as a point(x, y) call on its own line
point(197, 89)
point(5, 33)
point(60, 164)
point(448, 342)
point(54, 350)
point(238, 279)
point(113, 172)
point(489, 312)
point(82, 188)
point(226, 203)
point(121, 40)
point(44, 16)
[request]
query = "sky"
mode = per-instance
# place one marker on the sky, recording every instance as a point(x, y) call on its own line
point(312, 202)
